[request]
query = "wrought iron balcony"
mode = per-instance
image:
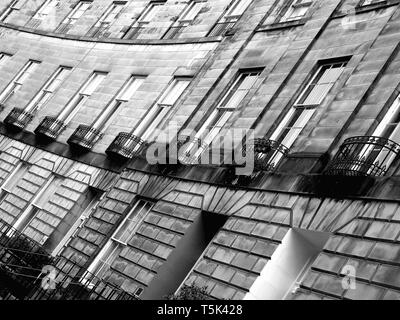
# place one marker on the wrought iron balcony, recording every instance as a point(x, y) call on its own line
point(267, 153)
point(222, 28)
point(364, 156)
point(126, 145)
point(24, 264)
point(50, 128)
point(173, 32)
point(85, 137)
point(18, 118)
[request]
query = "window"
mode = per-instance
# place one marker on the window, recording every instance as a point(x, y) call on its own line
point(84, 93)
point(124, 95)
point(18, 81)
point(48, 90)
point(230, 17)
point(12, 179)
point(73, 16)
point(185, 18)
point(96, 198)
point(388, 128)
point(296, 11)
point(161, 109)
point(42, 13)
point(150, 12)
point(228, 104)
point(37, 202)
point(312, 96)
point(3, 58)
point(120, 238)
point(107, 19)
point(13, 6)
point(146, 17)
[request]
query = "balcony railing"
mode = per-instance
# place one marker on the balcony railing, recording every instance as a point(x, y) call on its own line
point(22, 265)
point(64, 28)
point(18, 118)
point(221, 28)
point(267, 153)
point(173, 32)
point(85, 137)
point(126, 145)
point(50, 128)
point(364, 156)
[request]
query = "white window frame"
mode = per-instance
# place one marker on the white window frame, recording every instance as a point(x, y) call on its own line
point(89, 87)
point(124, 95)
point(32, 203)
point(110, 12)
point(48, 90)
point(17, 82)
point(13, 6)
point(223, 112)
point(382, 131)
point(146, 16)
point(72, 18)
point(159, 111)
point(231, 12)
point(304, 111)
point(113, 244)
point(45, 9)
point(296, 5)
point(92, 206)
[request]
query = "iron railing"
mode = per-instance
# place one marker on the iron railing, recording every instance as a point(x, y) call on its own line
point(173, 32)
point(126, 145)
point(64, 28)
point(100, 31)
point(18, 118)
point(50, 127)
point(133, 32)
point(200, 152)
point(33, 23)
point(221, 28)
point(363, 156)
point(71, 284)
point(267, 153)
point(85, 137)
point(23, 263)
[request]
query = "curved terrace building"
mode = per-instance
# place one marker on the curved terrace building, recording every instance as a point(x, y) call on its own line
point(250, 147)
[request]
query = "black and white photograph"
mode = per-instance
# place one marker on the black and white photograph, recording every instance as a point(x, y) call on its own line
point(207, 156)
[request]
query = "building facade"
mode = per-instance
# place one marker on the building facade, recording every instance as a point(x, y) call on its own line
point(113, 118)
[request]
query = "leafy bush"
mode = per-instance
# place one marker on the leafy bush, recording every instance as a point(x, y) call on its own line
point(192, 292)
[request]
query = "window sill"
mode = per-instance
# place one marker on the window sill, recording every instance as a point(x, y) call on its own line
point(282, 25)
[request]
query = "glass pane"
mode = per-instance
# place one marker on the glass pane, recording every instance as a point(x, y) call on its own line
point(317, 94)
point(92, 84)
point(174, 92)
point(83, 6)
point(130, 224)
point(192, 12)
point(236, 99)
point(239, 7)
point(130, 88)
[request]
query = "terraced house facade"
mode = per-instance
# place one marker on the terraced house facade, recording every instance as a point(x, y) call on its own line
point(89, 87)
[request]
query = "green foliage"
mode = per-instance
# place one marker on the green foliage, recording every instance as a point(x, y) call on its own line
point(192, 292)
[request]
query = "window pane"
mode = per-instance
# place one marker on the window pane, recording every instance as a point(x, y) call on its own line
point(239, 7)
point(131, 223)
point(130, 88)
point(93, 83)
point(175, 92)
point(191, 13)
